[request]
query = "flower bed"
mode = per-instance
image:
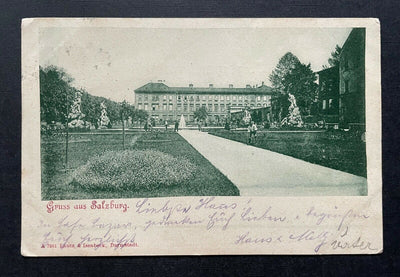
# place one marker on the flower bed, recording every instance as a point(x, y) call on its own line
point(137, 170)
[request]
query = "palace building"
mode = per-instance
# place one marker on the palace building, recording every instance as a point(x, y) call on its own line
point(169, 103)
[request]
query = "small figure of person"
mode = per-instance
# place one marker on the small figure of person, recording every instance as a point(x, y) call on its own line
point(199, 125)
point(252, 129)
point(250, 132)
point(166, 125)
point(176, 126)
point(150, 126)
point(146, 126)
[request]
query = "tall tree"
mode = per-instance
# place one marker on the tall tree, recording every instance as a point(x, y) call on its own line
point(285, 66)
point(292, 76)
point(56, 94)
point(335, 56)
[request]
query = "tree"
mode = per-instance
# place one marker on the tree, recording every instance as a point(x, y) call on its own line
point(285, 66)
point(335, 56)
point(292, 76)
point(140, 115)
point(201, 113)
point(56, 94)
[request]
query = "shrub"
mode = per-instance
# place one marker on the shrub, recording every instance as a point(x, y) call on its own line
point(142, 170)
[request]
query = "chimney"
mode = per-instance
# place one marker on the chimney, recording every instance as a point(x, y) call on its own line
point(230, 86)
point(262, 83)
point(210, 85)
point(191, 85)
point(248, 86)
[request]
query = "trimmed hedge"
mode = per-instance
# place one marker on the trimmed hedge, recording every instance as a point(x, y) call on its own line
point(141, 170)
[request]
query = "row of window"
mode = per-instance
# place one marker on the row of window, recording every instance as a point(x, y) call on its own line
point(327, 104)
point(203, 97)
point(192, 107)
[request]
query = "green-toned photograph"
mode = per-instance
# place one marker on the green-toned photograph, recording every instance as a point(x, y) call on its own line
point(141, 112)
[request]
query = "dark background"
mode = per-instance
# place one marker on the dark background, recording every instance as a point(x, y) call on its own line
point(13, 264)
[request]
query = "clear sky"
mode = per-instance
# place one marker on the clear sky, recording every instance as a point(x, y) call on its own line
point(113, 62)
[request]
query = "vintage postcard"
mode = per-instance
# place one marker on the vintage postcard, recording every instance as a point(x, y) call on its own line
point(201, 136)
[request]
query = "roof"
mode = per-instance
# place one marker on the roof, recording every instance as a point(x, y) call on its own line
point(163, 88)
point(327, 70)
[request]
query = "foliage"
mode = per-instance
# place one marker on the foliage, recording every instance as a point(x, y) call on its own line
point(56, 87)
point(55, 90)
point(292, 76)
point(201, 113)
point(134, 170)
point(140, 115)
point(335, 56)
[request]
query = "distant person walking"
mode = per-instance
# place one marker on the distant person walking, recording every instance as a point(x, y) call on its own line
point(199, 125)
point(166, 125)
point(176, 126)
point(146, 126)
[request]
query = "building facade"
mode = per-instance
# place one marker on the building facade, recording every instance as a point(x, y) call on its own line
point(328, 94)
point(352, 80)
point(169, 103)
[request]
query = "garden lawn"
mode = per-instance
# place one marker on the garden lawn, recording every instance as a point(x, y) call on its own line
point(57, 184)
point(334, 149)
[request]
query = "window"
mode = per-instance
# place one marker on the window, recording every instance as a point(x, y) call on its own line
point(165, 97)
point(222, 97)
point(197, 98)
point(222, 108)
point(170, 107)
point(191, 98)
point(346, 86)
point(210, 97)
point(258, 98)
point(146, 98)
point(146, 107)
point(227, 98)
point(265, 98)
point(179, 97)
point(240, 97)
point(204, 97)
point(165, 107)
point(170, 97)
point(185, 108)
point(216, 108)
point(330, 103)
point(153, 108)
point(216, 97)
point(179, 108)
point(324, 104)
point(140, 106)
point(234, 98)
point(140, 98)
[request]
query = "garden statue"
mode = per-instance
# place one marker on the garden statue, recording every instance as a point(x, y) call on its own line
point(182, 122)
point(75, 116)
point(103, 120)
point(294, 117)
point(247, 117)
